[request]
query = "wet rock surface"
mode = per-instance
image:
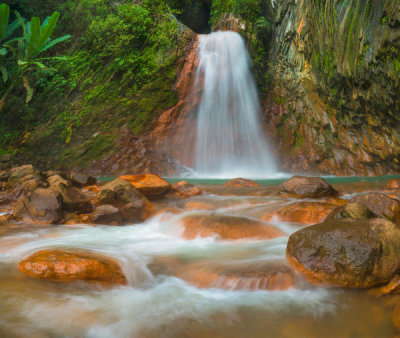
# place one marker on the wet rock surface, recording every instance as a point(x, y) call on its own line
point(381, 204)
point(227, 227)
point(302, 186)
point(64, 266)
point(241, 183)
point(347, 252)
point(150, 185)
point(305, 213)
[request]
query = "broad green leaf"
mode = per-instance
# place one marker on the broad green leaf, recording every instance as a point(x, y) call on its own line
point(47, 31)
point(55, 41)
point(22, 24)
point(4, 73)
point(3, 51)
point(34, 38)
point(29, 90)
point(11, 28)
point(4, 16)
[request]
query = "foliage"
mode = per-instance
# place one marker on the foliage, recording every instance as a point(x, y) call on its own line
point(35, 41)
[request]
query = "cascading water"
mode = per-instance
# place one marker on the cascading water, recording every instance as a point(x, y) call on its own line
point(230, 139)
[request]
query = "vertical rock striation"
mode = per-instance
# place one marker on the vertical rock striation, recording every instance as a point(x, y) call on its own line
point(333, 105)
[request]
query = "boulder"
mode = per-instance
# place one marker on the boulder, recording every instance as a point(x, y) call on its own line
point(107, 214)
point(241, 183)
point(304, 213)
point(64, 266)
point(393, 184)
point(268, 275)
point(73, 199)
point(118, 192)
point(43, 205)
point(16, 174)
point(227, 227)
point(185, 190)
point(351, 253)
point(381, 204)
point(26, 185)
point(81, 180)
point(152, 186)
point(352, 210)
point(133, 206)
point(137, 211)
point(302, 187)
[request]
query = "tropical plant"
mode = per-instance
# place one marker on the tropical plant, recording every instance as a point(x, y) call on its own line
point(35, 41)
point(6, 32)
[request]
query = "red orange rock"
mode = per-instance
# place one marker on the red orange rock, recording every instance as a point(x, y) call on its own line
point(304, 213)
point(185, 190)
point(64, 266)
point(393, 184)
point(151, 185)
point(241, 183)
point(227, 227)
point(266, 276)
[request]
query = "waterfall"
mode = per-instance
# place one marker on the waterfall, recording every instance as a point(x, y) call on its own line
point(230, 139)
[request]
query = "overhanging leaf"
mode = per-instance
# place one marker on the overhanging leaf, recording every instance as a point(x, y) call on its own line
point(55, 41)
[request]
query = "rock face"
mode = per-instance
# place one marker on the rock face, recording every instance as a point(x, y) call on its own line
point(335, 74)
point(381, 204)
point(348, 252)
point(301, 186)
point(305, 213)
point(150, 185)
point(41, 206)
point(62, 266)
point(227, 227)
point(133, 206)
point(241, 183)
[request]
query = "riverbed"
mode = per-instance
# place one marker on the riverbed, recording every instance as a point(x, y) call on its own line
point(156, 302)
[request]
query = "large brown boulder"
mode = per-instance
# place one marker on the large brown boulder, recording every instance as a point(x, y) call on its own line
point(73, 199)
point(241, 183)
point(133, 206)
point(304, 213)
point(64, 266)
point(40, 206)
point(16, 174)
point(381, 204)
point(152, 186)
point(302, 186)
point(347, 252)
point(227, 227)
point(26, 185)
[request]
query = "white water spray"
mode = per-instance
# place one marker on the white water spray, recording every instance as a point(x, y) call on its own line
point(230, 139)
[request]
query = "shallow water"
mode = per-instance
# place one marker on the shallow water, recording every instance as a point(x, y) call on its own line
point(157, 303)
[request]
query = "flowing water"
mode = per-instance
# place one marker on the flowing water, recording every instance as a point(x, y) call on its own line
point(230, 138)
point(157, 302)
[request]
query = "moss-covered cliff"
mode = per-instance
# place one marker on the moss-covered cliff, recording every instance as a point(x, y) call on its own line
point(334, 105)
